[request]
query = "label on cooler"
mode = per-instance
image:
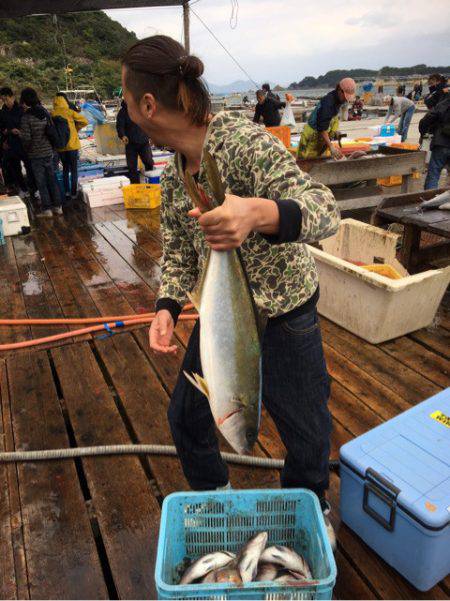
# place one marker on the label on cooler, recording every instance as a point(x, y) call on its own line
point(441, 418)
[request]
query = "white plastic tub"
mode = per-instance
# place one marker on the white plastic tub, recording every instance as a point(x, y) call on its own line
point(105, 191)
point(370, 305)
point(14, 214)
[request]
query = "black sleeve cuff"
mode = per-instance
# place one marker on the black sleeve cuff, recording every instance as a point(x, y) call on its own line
point(170, 305)
point(290, 222)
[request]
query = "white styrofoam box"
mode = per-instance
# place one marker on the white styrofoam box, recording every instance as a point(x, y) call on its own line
point(387, 140)
point(14, 214)
point(370, 305)
point(105, 191)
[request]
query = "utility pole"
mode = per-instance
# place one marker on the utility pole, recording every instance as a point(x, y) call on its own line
point(187, 44)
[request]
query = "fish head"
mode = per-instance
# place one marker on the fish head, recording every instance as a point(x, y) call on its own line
point(240, 426)
point(239, 433)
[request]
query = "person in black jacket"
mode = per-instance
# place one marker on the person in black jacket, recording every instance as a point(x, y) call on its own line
point(268, 109)
point(437, 122)
point(13, 153)
point(136, 143)
point(438, 85)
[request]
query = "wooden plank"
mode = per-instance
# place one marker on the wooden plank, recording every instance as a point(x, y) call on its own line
point(107, 295)
point(396, 200)
point(435, 338)
point(376, 395)
point(406, 382)
point(136, 292)
point(39, 295)
point(73, 297)
point(362, 202)
point(342, 172)
point(8, 587)
point(432, 366)
point(143, 237)
point(12, 304)
point(127, 512)
point(12, 489)
point(61, 555)
point(137, 383)
point(138, 260)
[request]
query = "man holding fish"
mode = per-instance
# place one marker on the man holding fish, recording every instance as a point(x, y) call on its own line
point(236, 213)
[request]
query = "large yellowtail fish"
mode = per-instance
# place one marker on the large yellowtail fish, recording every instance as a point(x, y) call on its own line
point(230, 347)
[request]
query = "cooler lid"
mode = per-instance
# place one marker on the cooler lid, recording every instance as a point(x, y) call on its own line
point(8, 203)
point(412, 453)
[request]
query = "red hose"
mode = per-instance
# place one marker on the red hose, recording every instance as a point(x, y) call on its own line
point(119, 323)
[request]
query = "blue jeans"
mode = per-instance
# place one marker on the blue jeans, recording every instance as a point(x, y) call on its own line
point(405, 120)
point(295, 393)
point(440, 157)
point(69, 160)
point(44, 174)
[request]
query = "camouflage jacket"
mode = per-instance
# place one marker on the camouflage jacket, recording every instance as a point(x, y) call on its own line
point(252, 163)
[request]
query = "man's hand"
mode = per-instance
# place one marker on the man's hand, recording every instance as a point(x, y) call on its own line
point(227, 226)
point(125, 140)
point(161, 333)
point(15, 131)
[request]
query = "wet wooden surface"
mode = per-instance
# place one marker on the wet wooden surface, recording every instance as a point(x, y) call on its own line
point(88, 528)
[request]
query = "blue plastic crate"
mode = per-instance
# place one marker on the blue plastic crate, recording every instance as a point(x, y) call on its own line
point(193, 524)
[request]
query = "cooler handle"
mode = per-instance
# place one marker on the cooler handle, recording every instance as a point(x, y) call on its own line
point(384, 490)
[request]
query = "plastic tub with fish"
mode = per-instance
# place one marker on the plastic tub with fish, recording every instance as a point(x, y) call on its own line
point(198, 523)
point(375, 303)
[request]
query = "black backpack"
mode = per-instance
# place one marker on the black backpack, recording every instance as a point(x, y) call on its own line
point(58, 132)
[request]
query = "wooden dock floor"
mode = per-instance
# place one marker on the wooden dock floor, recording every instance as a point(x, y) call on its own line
point(87, 529)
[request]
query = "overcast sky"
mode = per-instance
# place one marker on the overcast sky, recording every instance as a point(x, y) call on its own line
point(284, 40)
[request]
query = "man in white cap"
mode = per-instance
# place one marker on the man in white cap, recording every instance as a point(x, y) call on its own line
point(323, 122)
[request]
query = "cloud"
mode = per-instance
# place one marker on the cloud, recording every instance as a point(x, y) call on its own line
point(284, 41)
point(373, 19)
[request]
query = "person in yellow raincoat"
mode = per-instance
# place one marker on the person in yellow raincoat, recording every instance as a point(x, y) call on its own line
point(323, 123)
point(69, 154)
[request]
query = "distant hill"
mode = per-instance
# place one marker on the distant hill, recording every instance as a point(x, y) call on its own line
point(331, 78)
point(35, 51)
point(240, 86)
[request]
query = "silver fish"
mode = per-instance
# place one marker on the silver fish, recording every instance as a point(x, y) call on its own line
point(286, 558)
point(248, 558)
point(207, 563)
point(266, 572)
point(230, 347)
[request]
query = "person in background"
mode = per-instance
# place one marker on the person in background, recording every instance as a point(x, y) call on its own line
point(136, 143)
point(268, 109)
point(401, 108)
point(438, 86)
point(13, 152)
point(269, 94)
point(33, 128)
point(323, 123)
point(356, 110)
point(437, 122)
point(69, 154)
point(417, 91)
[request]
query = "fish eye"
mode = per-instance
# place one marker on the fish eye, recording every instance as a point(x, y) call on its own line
point(251, 435)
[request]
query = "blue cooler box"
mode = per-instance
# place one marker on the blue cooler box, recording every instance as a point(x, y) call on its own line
point(395, 490)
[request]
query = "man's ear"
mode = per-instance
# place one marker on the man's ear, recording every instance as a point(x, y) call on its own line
point(148, 106)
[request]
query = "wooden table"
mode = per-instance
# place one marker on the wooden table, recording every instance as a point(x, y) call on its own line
point(394, 161)
point(405, 209)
